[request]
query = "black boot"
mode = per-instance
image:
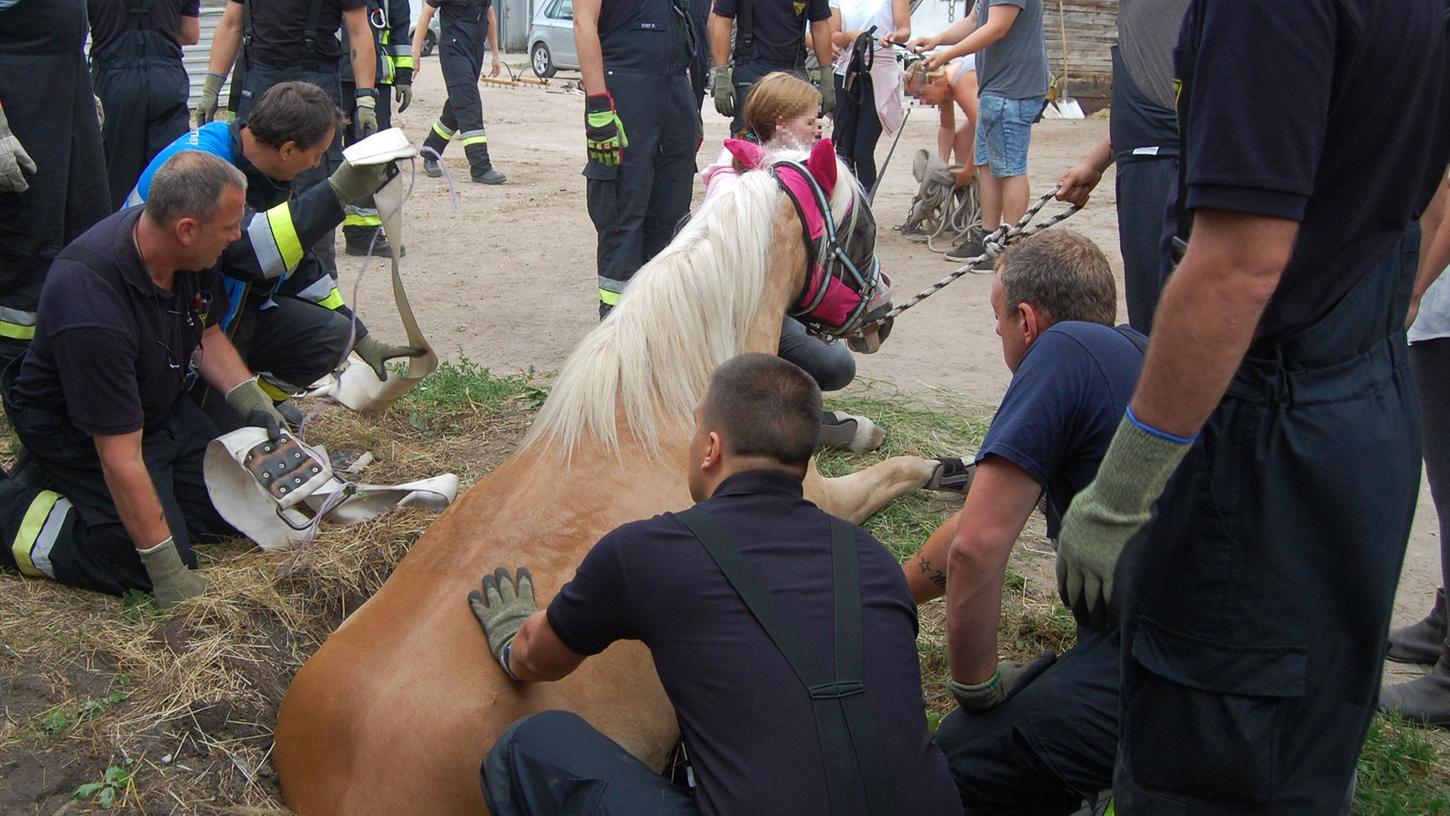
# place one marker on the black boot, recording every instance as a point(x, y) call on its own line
point(360, 240)
point(1425, 701)
point(480, 168)
point(1420, 642)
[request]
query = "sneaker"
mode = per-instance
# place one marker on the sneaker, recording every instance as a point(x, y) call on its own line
point(985, 266)
point(489, 176)
point(952, 475)
point(969, 247)
point(358, 246)
point(431, 168)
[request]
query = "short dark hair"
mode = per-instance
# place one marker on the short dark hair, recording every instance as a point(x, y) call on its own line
point(190, 185)
point(294, 112)
point(764, 406)
point(1062, 274)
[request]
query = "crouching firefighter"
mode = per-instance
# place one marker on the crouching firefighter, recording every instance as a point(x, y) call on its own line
point(388, 21)
point(283, 311)
point(109, 495)
point(742, 601)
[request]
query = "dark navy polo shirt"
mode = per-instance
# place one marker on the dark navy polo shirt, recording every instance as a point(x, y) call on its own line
point(112, 18)
point(780, 25)
point(746, 717)
point(1062, 408)
point(1322, 112)
point(111, 347)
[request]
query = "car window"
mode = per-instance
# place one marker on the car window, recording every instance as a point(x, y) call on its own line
point(565, 10)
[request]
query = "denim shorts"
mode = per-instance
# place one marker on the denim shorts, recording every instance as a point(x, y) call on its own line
point(1004, 129)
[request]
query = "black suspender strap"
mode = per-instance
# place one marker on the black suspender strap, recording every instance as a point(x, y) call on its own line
point(139, 14)
point(744, 34)
point(1183, 92)
point(243, 61)
point(309, 35)
point(851, 746)
point(1133, 337)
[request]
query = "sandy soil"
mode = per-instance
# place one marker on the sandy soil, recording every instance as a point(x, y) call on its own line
point(506, 276)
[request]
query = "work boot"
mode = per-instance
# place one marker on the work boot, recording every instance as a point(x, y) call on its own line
point(1425, 701)
point(1420, 642)
point(431, 168)
point(488, 175)
point(481, 167)
point(849, 432)
point(952, 475)
point(360, 241)
point(969, 247)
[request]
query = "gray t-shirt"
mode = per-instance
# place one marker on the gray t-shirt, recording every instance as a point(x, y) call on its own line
point(1433, 321)
point(1015, 66)
point(1147, 32)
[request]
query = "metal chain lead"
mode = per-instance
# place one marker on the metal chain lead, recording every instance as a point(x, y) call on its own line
point(998, 240)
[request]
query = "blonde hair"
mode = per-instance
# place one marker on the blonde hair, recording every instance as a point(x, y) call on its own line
point(778, 95)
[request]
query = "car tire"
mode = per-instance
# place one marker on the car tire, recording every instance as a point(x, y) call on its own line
point(542, 61)
point(430, 42)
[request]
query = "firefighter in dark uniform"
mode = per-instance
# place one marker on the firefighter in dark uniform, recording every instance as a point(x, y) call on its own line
point(1255, 607)
point(52, 170)
point(769, 36)
point(388, 20)
point(139, 78)
point(641, 126)
point(465, 26)
point(273, 41)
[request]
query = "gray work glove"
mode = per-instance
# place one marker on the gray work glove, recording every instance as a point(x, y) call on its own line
point(354, 181)
point(1108, 512)
point(100, 111)
point(171, 581)
point(256, 408)
point(501, 608)
point(403, 92)
point(828, 90)
point(722, 89)
point(1009, 678)
point(206, 104)
point(376, 354)
point(13, 159)
point(365, 114)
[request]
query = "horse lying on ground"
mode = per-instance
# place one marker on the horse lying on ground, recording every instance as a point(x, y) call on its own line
point(396, 711)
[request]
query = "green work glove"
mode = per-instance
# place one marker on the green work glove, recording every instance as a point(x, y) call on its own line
point(722, 89)
point(827, 85)
point(171, 581)
point(13, 159)
point(1009, 678)
point(205, 109)
point(501, 608)
point(353, 181)
point(603, 131)
point(403, 89)
point(1109, 512)
point(256, 408)
point(365, 113)
point(377, 353)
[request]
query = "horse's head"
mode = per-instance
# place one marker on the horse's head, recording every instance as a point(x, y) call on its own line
point(844, 292)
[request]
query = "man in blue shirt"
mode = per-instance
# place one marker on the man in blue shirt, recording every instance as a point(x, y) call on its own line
point(689, 585)
point(1013, 748)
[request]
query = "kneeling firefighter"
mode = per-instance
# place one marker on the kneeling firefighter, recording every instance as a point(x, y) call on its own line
point(388, 20)
point(464, 25)
point(284, 312)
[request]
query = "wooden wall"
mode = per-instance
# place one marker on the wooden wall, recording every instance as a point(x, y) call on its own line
point(1092, 29)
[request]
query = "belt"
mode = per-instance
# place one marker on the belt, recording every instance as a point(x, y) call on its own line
point(1276, 380)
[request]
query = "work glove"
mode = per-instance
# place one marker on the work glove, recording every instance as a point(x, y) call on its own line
point(13, 159)
point(205, 109)
point(828, 92)
point(171, 581)
point(603, 130)
point(722, 89)
point(1109, 512)
point(353, 181)
point(365, 113)
point(1009, 678)
point(377, 353)
point(501, 608)
point(256, 408)
point(100, 111)
point(403, 88)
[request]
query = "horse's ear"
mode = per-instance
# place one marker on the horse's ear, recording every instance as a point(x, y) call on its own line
point(822, 165)
point(749, 154)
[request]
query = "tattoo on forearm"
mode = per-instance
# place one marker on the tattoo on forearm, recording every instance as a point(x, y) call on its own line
point(352, 54)
point(933, 574)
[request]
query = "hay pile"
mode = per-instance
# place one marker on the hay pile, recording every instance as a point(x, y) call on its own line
point(177, 709)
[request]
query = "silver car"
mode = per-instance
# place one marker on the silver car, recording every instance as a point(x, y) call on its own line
point(551, 38)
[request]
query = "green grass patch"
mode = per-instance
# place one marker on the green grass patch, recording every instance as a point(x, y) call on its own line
point(1403, 770)
point(467, 387)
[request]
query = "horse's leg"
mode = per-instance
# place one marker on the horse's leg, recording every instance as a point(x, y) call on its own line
point(857, 496)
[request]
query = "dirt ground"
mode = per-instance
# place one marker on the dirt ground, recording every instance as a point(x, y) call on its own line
point(505, 276)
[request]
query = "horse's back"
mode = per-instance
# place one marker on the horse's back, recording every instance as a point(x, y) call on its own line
point(398, 708)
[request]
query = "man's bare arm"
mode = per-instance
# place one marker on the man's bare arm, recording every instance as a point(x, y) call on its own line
point(221, 365)
point(586, 43)
point(226, 40)
point(364, 52)
point(720, 38)
point(129, 483)
point(537, 653)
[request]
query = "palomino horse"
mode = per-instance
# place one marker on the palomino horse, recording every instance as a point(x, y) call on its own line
point(396, 711)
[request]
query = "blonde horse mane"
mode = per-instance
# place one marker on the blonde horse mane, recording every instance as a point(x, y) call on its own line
point(683, 314)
